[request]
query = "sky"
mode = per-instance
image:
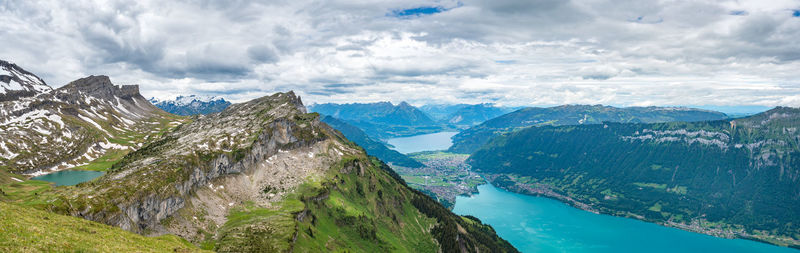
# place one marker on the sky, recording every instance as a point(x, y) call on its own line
point(514, 53)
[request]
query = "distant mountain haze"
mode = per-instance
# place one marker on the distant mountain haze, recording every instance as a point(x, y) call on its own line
point(473, 138)
point(382, 120)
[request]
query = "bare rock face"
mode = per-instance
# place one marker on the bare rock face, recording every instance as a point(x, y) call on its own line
point(49, 130)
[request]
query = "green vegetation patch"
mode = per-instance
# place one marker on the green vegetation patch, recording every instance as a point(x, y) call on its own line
point(28, 229)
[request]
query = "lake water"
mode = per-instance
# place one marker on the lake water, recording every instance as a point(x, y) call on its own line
point(538, 224)
point(69, 177)
point(424, 142)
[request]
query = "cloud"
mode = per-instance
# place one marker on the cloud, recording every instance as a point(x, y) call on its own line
point(262, 54)
point(538, 52)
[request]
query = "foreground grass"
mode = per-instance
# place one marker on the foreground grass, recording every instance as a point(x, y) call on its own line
point(25, 229)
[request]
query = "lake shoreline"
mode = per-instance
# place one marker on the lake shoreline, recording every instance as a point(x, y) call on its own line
point(550, 194)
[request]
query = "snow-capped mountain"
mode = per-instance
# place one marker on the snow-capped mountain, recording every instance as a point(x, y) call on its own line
point(43, 129)
point(192, 105)
point(15, 82)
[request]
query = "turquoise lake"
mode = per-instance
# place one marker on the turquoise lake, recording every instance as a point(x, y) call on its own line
point(538, 224)
point(423, 142)
point(69, 177)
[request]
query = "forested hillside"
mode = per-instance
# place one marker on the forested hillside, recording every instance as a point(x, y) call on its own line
point(729, 178)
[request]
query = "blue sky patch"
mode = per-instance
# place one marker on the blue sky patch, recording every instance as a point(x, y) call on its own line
point(739, 13)
point(646, 20)
point(506, 61)
point(419, 11)
point(796, 13)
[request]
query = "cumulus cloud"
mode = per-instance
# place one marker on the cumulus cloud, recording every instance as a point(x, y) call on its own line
point(540, 52)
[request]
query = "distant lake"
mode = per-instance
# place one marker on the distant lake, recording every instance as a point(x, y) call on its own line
point(538, 224)
point(424, 142)
point(69, 177)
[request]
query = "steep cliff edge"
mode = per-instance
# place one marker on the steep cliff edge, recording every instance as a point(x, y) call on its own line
point(267, 176)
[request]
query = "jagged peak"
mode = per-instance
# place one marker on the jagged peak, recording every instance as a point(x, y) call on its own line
point(100, 87)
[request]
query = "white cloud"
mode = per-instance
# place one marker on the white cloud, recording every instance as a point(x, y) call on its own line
point(542, 52)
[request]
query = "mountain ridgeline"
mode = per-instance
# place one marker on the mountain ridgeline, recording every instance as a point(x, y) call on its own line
point(462, 116)
point(381, 120)
point(731, 178)
point(265, 176)
point(191, 105)
point(472, 139)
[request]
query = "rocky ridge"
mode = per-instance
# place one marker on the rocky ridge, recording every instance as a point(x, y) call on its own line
point(74, 125)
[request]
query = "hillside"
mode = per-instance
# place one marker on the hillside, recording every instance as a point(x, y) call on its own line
point(372, 147)
point(737, 178)
point(87, 122)
point(191, 105)
point(471, 139)
point(265, 175)
point(381, 120)
point(28, 229)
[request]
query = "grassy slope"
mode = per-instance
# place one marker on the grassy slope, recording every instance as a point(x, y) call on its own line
point(27, 229)
point(354, 212)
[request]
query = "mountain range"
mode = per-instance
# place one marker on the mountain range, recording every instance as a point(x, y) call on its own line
point(730, 178)
point(191, 105)
point(382, 120)
point(263, 175)
point(473, 138)
point(462, 116)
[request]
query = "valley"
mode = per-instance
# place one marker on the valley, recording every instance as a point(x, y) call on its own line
point(444, 176)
